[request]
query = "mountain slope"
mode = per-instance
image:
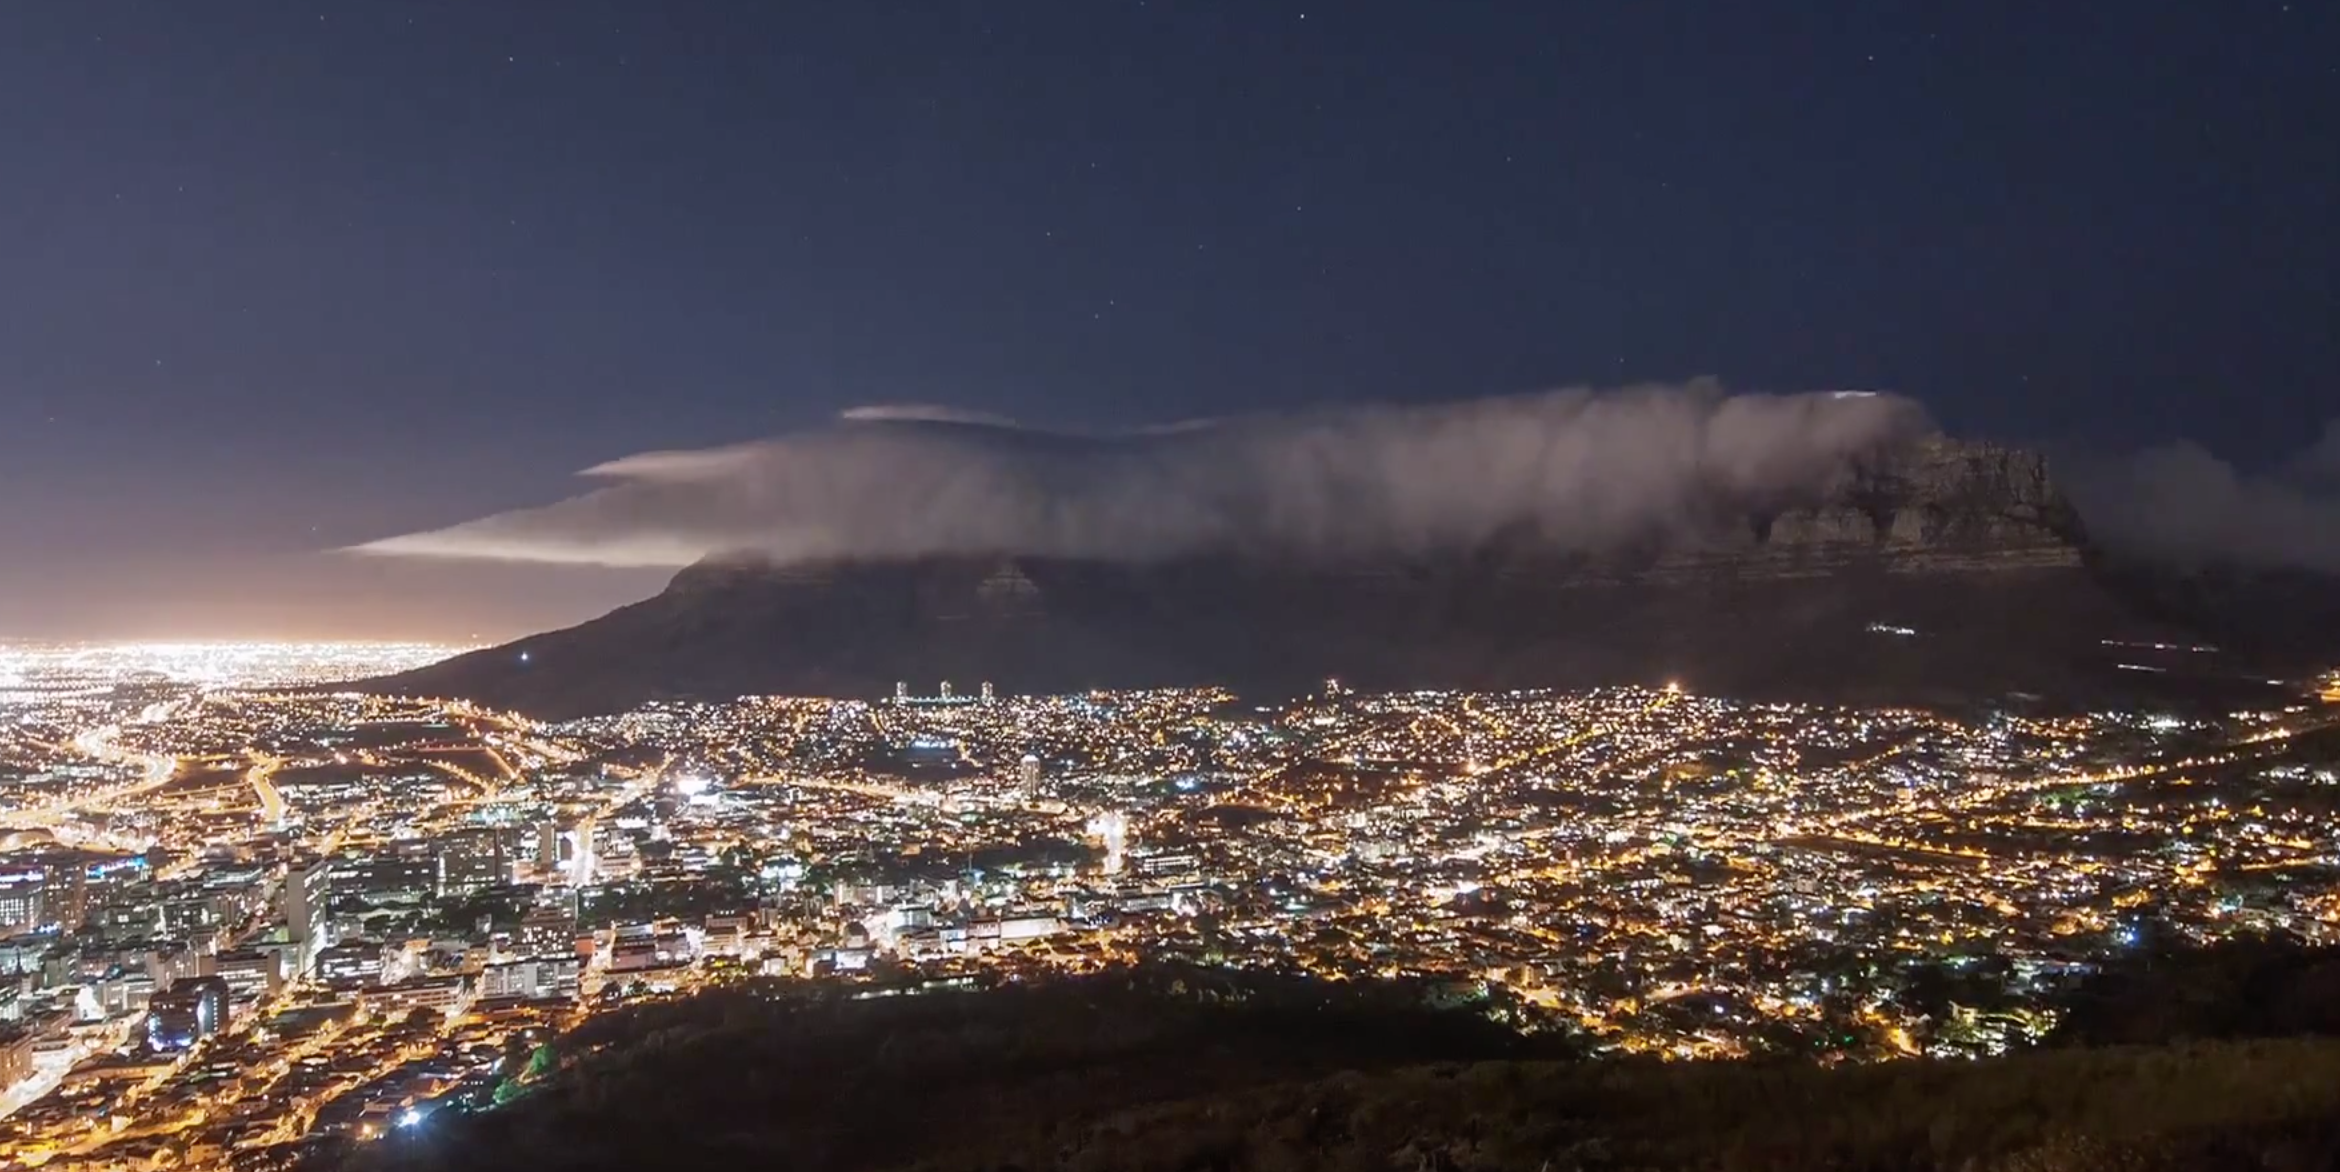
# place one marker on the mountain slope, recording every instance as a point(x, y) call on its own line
point(1215, 1070)
point(1948, 572)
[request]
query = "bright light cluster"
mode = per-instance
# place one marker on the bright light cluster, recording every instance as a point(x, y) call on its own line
point(52, 668)
point(1652, 869)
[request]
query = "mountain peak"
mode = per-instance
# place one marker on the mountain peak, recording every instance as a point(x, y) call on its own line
point(1941, 571)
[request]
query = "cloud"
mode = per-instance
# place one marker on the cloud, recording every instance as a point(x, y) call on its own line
point(924, 413)
point(2179, 503)
point(1583, 468)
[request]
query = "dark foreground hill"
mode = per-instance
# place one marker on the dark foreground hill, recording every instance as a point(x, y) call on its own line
point(1948, 573)
point(810, 1077)
point(1128, 1072)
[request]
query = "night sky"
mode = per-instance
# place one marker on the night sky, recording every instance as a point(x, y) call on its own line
point(280, 278)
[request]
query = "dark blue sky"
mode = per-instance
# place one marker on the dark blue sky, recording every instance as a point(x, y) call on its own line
point(276, 278)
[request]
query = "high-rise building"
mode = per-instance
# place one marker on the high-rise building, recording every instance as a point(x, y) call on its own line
point(56, 887)
point(250, 973)
point(470, 861)
point(172, 962)
point(945, 694)
point(16, 1055)
point(407, 867)
point(533, 979)
point(548, 845)
point(1031, 775)
point(192, 1009)
point(110, 881)
point(356, 962)
point(23, 900)
point(547, 930)
point(306, 902)
point(901, 692)
point(65, 894)
point(988, 694)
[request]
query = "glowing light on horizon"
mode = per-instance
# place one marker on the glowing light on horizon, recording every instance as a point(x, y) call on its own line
point(53, 669)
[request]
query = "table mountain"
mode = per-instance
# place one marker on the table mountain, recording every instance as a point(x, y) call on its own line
point(1944, 572)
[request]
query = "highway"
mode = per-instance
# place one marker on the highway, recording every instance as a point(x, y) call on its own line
point(271, 799)
point(102, 743)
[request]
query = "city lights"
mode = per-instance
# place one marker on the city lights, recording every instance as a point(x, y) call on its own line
point(241, 912)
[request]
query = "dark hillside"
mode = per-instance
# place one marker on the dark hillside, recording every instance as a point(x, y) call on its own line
point(808, 1078)
point(1202, 1070)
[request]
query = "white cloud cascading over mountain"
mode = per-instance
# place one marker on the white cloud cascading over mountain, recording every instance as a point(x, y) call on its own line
point(2180, 504)
point(1583, 468)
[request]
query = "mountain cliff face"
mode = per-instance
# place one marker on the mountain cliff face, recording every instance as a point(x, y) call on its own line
point(1939, 573)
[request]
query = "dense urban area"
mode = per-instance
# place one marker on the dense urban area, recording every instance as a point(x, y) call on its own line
point(241, 910)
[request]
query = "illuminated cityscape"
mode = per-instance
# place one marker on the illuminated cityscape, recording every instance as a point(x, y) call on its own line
point(1199, 586)
point(240, 911)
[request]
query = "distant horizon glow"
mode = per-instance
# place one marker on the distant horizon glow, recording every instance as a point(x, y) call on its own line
point(26, 664)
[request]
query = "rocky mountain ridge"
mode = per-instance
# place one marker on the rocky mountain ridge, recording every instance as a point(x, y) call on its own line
point(1938, 572)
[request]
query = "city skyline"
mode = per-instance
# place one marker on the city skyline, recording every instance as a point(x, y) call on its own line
point(1248, 584)
point(244, 918)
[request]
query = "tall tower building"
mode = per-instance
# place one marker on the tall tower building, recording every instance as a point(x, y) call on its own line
point(192, 1008)
point(470, 860)
point(1031, 775)
point(946, 690)
point(306, 901)
point(901, 692)
point(987, 694)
